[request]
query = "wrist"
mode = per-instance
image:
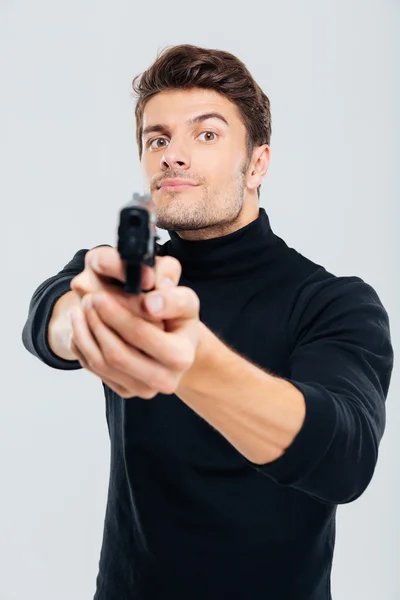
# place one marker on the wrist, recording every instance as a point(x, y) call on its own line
point(206, 350)
point(60, 328)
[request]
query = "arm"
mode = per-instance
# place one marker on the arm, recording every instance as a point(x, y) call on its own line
point(43, 334)
point(35, 334)
point(319, 429)
point(256, 412)
point(59, 326)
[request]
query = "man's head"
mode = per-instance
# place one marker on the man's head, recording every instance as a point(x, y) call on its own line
point(201, 118)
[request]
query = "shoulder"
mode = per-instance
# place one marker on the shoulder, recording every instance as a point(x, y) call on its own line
point(319, 290)
point(320, 301)
point(312, 286)
point(341, 312)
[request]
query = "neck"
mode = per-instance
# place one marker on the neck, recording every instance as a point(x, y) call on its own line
point(236, 254)
point(249, 213)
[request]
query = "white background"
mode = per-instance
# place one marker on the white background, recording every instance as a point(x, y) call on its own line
point(69, 163)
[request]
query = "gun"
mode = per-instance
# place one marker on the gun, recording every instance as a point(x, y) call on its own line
point(137, 239)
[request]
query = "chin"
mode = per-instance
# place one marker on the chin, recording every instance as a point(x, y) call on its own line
point(178, 191)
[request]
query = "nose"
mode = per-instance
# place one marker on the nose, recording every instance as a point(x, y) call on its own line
point(175, 157)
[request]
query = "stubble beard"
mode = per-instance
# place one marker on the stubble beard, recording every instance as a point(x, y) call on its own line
point(215, 209)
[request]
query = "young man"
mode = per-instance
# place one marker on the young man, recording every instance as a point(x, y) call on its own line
point(253, 402)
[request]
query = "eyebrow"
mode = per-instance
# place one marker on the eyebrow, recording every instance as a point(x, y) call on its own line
point(198, 119)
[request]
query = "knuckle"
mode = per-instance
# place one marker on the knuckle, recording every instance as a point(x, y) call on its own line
point(194, 299)
point(188, 299)
point(113, 357)
point(170, 267)
point(148, 393)
point(165, 384)
point(77, 283)
point(181, 302)
point(84, 283)
point(187, 363)
point(162, 380)
point(155, 381)
point(181, 358)
point(171, 261)
point(140, 332)
point(169, 386)
point(95, 365)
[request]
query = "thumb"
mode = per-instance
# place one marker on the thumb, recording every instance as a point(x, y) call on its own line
point(178, 303)
point(167, 272)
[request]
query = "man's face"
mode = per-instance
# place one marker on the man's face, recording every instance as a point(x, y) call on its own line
point(181, 142)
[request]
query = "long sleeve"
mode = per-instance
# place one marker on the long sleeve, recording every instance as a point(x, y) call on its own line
point(341, 360)
point(35, 331)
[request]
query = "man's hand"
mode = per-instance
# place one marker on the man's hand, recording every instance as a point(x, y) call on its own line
point(134, 349)
point(109, 279)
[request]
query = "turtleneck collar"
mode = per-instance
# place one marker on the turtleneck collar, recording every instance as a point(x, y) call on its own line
point(238, 253)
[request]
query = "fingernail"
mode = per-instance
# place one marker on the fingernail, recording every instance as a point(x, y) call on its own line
point(94, 263)
point(154, 302)
point(87, 302)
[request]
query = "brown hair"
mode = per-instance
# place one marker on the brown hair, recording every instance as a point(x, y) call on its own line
point(186, 66)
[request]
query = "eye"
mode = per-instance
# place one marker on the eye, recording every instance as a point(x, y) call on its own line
point(155, 146)
point(208, 133)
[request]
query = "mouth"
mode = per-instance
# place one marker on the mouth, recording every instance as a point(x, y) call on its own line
point(181, 187)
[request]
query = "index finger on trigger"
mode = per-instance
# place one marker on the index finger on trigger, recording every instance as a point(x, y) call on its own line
point(106, 261)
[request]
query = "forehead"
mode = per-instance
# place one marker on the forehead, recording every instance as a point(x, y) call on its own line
point(172, 107)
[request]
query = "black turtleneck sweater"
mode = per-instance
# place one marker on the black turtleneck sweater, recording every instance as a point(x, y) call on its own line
point(190, 518)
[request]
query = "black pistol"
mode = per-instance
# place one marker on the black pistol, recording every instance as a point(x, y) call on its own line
point(137, 239)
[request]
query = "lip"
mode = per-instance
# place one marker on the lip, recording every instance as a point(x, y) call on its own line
point(176, 185)
point(176, 188)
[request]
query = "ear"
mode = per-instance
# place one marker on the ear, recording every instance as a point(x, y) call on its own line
point(258, 166)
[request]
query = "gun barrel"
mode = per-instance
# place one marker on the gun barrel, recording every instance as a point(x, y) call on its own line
point(137, 238)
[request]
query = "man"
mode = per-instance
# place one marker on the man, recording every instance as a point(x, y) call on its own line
point(250, 400)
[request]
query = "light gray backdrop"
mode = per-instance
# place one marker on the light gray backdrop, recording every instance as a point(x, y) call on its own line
point(69, 163)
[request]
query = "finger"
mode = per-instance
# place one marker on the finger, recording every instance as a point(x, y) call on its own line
point(179, 303)
point(141, 390)
point(107, 263)
point(175, 350)
point(128, 358)
point(74, 348)
point(167, 268)
point(119, 389)
point(148, 278)
point(84, 344)
point(88, 282)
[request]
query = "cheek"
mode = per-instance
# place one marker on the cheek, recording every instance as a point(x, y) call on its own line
point(217, 167)
point(146, 162)
point(150, 167)
point(238, 162)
